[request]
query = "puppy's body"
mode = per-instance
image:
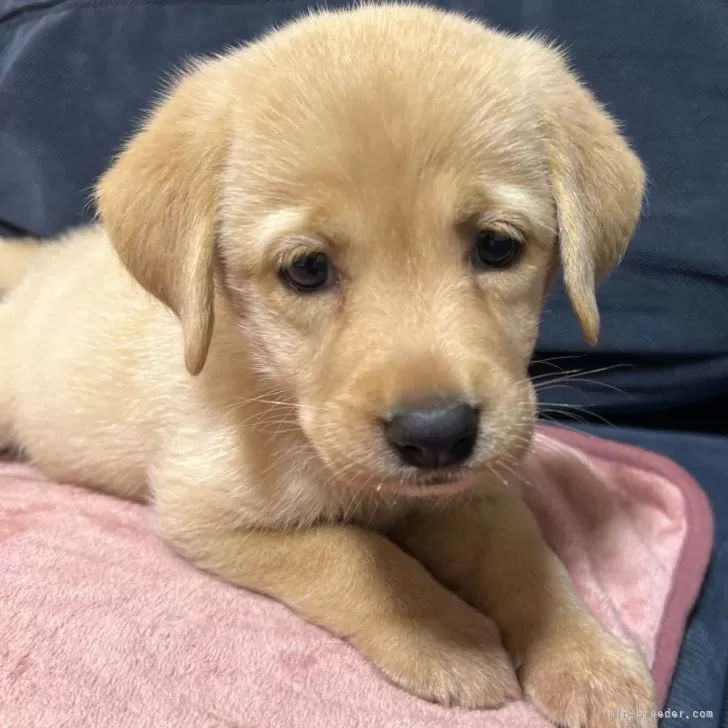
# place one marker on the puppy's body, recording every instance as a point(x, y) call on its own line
point(52, 358)
point(258, 414)
point(108, 399)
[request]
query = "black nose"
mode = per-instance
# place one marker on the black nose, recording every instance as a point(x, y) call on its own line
point(434, 434)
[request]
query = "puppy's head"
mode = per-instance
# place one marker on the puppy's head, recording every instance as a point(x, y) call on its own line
point(384, 195)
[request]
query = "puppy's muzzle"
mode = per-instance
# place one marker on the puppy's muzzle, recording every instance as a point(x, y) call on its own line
point(433, 434)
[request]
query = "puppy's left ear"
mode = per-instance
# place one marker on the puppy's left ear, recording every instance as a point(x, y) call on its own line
point(159, 202)
point(597, 181)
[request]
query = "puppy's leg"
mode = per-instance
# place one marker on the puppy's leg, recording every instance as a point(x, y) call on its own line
point(491, 552)
point(16, 257)
point(7, 350)
point(363, 588)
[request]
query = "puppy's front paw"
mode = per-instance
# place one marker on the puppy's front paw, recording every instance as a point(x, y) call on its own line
point(451, 662)
point(588, 679)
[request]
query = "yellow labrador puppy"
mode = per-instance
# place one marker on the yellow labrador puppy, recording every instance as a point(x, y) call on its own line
point(302, 329)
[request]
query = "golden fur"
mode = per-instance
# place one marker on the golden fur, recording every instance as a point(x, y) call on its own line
point(248, 414)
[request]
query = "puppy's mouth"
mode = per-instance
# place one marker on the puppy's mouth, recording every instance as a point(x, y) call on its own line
point(432, 484)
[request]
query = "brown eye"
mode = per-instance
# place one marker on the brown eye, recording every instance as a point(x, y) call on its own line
point(493, 249)
point(309, 273)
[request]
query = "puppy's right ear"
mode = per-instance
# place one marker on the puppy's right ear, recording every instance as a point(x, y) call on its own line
point(159, 202)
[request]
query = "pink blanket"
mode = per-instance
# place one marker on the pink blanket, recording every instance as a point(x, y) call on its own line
point(100, 625)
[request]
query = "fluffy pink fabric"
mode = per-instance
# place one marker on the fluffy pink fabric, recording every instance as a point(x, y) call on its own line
point(102, 626)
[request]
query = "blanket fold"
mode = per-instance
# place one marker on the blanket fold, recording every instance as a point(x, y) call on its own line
point(101, 625)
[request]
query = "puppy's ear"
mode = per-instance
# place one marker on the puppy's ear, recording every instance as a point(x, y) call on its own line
point(597, 181)
point(159, 201)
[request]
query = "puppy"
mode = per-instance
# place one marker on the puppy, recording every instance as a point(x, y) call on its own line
point(302, 329)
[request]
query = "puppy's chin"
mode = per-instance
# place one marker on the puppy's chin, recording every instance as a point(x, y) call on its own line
point(361, 475)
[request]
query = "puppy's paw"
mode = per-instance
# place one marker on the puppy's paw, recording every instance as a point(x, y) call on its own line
point(588, 679)
point(454, 664)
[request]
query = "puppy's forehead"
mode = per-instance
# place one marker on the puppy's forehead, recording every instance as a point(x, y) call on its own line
point(379, 103)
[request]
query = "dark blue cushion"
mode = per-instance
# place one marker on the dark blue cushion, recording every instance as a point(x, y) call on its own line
point(74, 76)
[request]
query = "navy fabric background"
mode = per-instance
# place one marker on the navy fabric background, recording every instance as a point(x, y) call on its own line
point(75, 74)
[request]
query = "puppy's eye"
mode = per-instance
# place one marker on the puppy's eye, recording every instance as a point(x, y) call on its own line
point(493, 249)
point(309, 273)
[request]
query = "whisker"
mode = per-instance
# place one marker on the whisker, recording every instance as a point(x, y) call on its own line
point(556, 409)
point(570, 374)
